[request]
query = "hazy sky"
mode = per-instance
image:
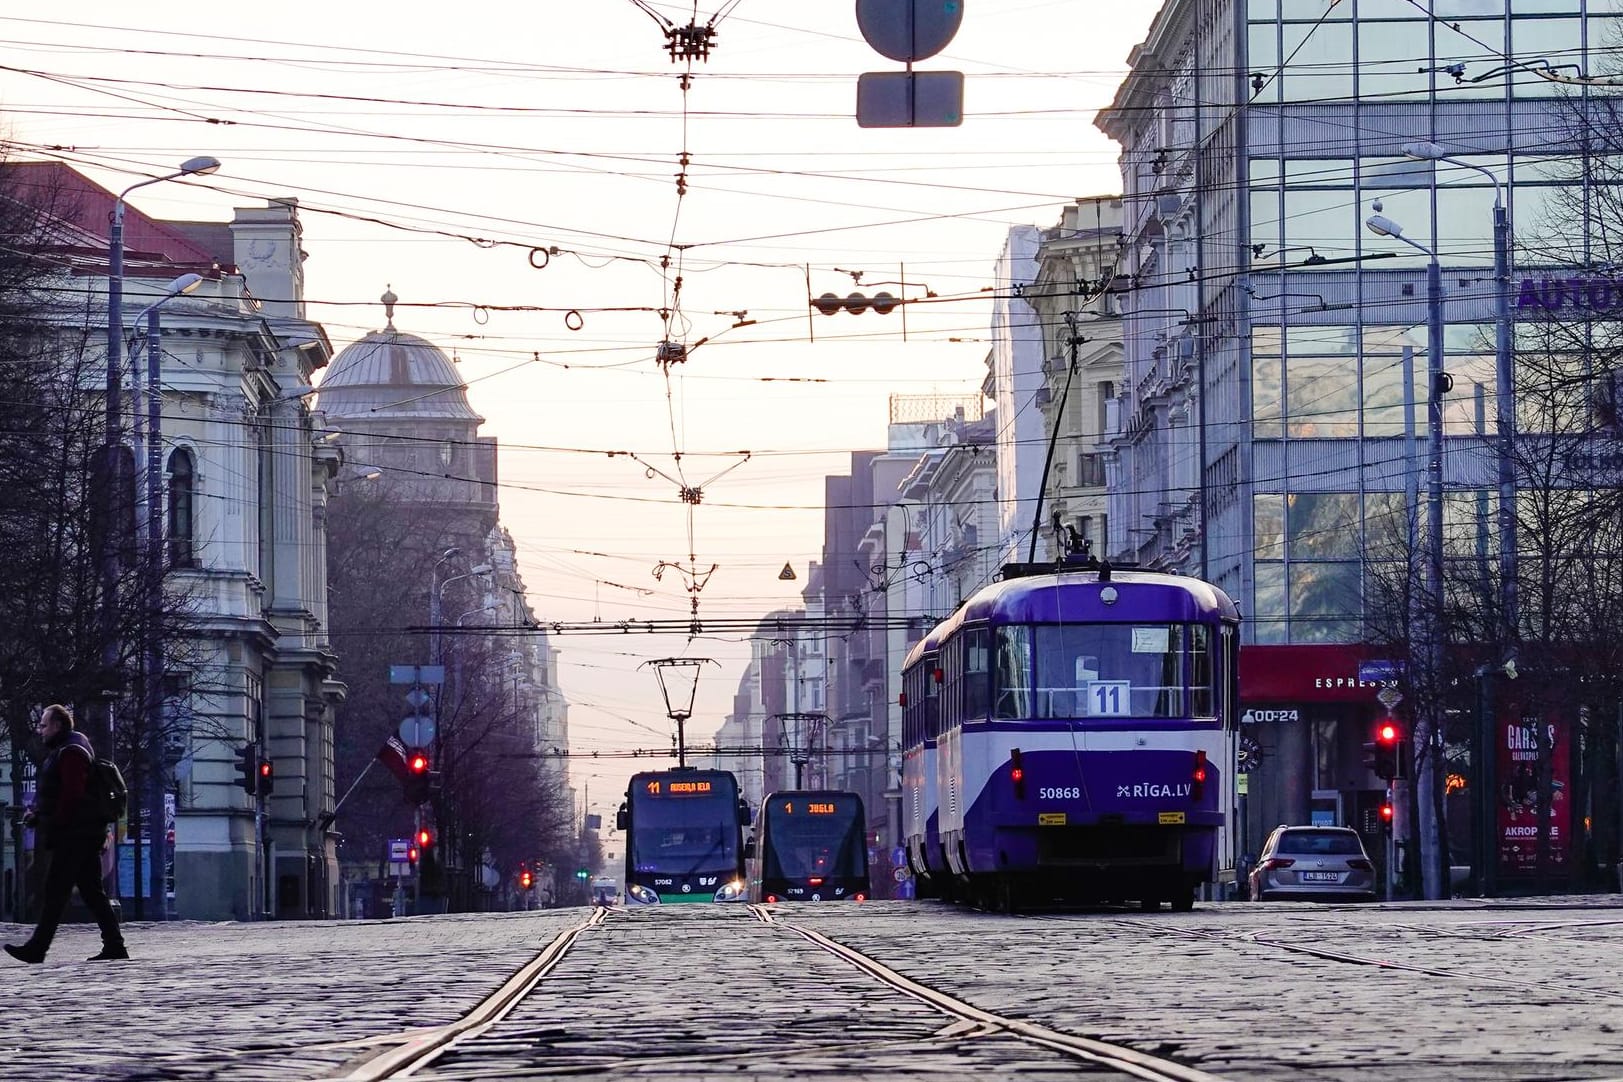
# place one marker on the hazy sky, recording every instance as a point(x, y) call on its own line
point(434, 148)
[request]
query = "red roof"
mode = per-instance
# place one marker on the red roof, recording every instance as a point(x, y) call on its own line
point(87, 207)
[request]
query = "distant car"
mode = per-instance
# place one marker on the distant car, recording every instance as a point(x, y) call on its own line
point(1313, 862)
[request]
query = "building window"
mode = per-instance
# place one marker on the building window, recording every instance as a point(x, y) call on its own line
point(182, 527)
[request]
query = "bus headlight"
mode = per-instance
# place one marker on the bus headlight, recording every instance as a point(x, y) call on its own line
point(730, 892)
point(640, 893)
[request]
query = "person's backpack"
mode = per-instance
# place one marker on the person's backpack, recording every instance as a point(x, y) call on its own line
point(106, 792)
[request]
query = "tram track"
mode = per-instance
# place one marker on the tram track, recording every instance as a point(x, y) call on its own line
point(1118, 1057)
point(473, 1041)
point(420, 1047)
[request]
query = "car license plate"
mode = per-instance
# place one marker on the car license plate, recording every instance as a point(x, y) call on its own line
point(1321, 877)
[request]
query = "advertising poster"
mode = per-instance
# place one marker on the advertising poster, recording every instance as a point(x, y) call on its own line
point(1523, 742)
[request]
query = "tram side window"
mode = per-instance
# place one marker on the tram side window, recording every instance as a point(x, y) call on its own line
point(1202, 670)
point(1011, 676)
point(976, 688)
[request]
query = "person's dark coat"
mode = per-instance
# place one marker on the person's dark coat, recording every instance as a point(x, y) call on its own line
point(63, 806)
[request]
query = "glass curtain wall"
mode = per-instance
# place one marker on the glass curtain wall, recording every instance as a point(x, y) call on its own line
point(1363, 377)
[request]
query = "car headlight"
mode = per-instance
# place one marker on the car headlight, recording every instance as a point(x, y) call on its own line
point(640, 893)
point(730, 892)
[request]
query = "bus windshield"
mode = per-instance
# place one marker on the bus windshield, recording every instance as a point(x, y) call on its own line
point(804, 846)
point(684, 834)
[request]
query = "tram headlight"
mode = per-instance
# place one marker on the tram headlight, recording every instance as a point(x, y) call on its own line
point(640, 893)
point(730, 892)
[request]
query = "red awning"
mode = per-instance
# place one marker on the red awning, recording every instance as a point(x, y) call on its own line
point(1308, 674)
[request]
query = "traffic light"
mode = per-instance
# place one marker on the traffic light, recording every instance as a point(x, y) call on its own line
point(425, 838)
point(526, 879)
point(266, 777)
point(1388, 749)
point(856, 303)
point(413, 854)
point(583, 874)
point(1386, 814)
point(417, 776)
point(247, 768)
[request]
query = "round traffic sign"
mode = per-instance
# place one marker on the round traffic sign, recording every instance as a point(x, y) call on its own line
point(417, 731)
point(909, 30)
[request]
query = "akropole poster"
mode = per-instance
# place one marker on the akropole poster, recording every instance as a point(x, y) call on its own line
point(1523, 743)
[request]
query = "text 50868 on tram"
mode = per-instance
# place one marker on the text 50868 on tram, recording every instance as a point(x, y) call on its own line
point(1088, 735)
point(684, 837)
point(810, 846)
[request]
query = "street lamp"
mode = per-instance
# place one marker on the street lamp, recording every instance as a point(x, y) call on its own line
point(110, 448)
point(1427, 732)
point(152, 667)
point(1484, 846)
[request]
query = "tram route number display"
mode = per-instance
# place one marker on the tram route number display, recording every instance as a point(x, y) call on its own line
point(678, 788)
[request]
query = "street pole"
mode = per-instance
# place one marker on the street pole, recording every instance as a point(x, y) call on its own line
point(154, 637)
point(1428, 733)
point(1427, 736)
point(1485, 847)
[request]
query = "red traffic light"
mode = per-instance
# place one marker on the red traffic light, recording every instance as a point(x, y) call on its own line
point(1387, 732)
point(526, 880)
point(424, 838)
point(418, 763)
point(1386, 812)
point(412, 854)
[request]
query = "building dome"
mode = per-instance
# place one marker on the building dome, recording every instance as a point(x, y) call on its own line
point(391, 374)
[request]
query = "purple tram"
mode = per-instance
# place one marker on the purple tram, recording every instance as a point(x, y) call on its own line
point(1088, 737)
point(921, 725)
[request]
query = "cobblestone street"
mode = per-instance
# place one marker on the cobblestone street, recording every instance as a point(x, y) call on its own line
point(1460, 990)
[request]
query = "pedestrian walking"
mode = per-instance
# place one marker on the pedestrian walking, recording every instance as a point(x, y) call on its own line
point(71, 831)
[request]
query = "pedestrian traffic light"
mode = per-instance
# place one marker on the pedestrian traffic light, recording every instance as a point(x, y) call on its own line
point(526, 879)
point(417, 777)
point(247, 768)
point(266, 776)
point(1388, 749)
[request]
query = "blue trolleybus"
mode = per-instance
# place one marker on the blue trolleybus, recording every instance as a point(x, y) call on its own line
point(810, 846)
point(1087, 738)
point(684, 837)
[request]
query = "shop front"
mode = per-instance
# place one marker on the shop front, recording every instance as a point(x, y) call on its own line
point(1306, 713)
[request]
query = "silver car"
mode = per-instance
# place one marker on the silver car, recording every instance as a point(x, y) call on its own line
point(1313, 862)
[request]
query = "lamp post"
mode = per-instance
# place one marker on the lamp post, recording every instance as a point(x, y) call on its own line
point(108, 557)
point(1484, 845)
point(1428, 730)
point(152, 661)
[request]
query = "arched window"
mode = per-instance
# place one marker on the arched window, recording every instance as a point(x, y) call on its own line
point(182, 478)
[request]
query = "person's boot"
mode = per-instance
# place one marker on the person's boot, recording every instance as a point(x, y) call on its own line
point(115, 953)
point(26, 952)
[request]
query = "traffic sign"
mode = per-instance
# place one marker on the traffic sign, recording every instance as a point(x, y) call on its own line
point(416, 674)
point(910, 99)
point(417, 731)
point(398, 848)
point(418, 697)
point(909, 30)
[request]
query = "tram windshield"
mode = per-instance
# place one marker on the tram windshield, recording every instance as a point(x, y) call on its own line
point(1147, 670)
